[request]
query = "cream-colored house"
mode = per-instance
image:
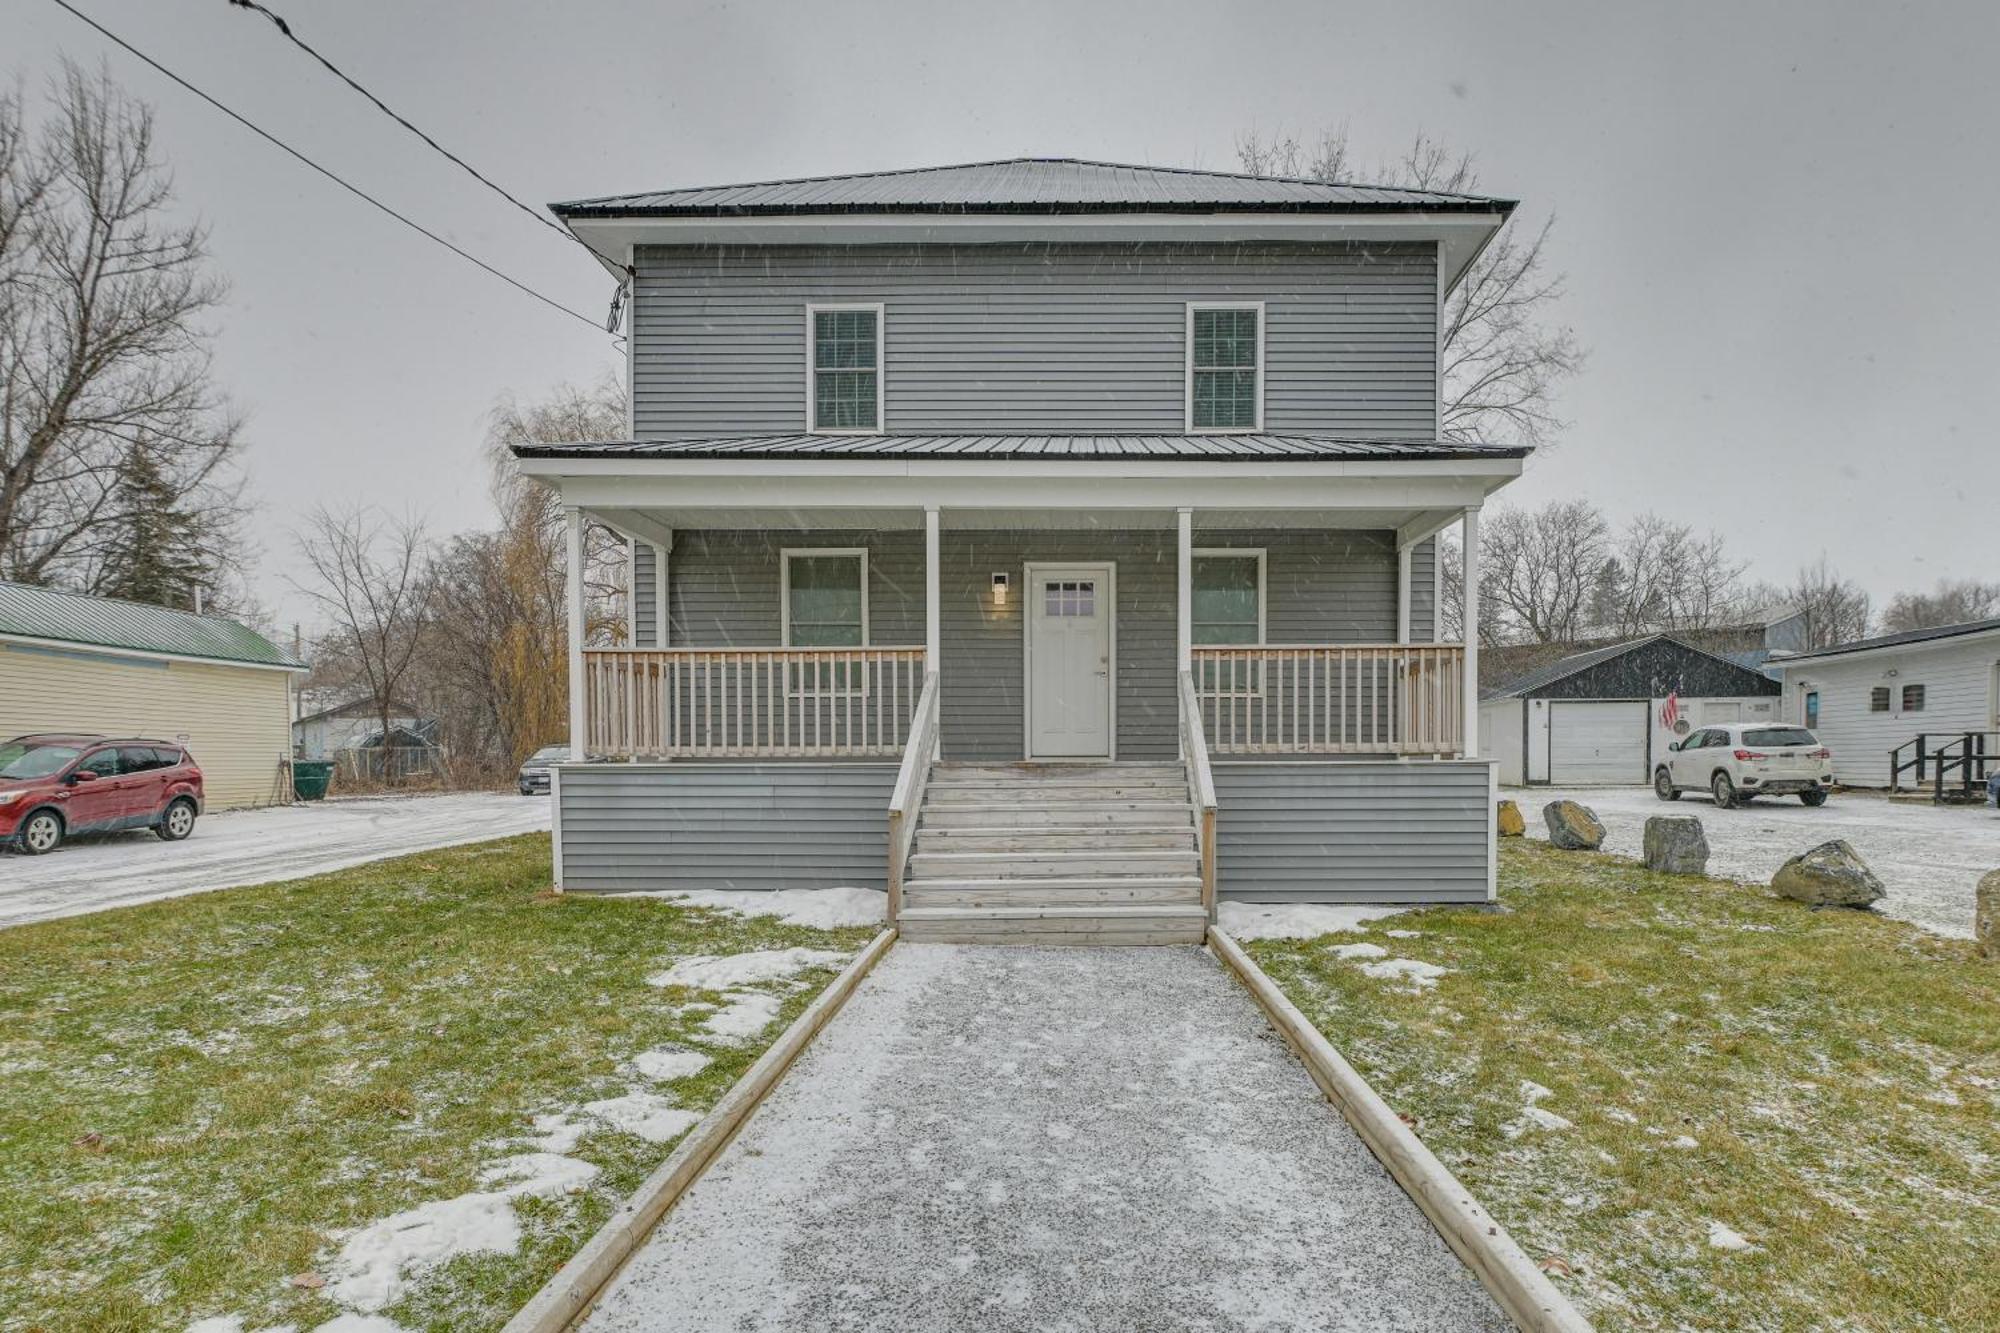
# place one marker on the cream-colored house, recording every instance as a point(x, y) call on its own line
point(73, 663)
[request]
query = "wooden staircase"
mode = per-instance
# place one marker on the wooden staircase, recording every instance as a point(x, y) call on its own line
point(1096, 854)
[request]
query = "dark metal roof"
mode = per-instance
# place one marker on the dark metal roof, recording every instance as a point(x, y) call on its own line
point(1891, 641)
point(1030, 185)
point(106, 622)
point(1253, 448)
point(1565, 667)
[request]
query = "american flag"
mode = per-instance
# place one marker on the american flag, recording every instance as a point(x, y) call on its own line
point(1670, 711)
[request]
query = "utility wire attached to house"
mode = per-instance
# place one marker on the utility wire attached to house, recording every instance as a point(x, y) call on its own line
point(342, 182)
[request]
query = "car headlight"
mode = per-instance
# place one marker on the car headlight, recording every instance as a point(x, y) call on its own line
point(9, 797)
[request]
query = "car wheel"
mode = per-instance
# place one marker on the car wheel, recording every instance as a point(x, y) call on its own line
point(1725, 791)
point(1814, 797)
point(1663, 786)
point(177, 822)
point(41, 832)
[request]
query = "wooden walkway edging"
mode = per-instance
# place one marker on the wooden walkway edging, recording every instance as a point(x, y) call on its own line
point(1523, 1292)
point(577, 1283)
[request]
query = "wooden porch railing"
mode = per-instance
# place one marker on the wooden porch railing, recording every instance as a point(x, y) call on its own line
point(747, 703)
point(1333, 699)
point(1201, 787)
point(908, 797)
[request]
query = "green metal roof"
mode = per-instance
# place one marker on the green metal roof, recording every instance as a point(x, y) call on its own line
point(105, 622)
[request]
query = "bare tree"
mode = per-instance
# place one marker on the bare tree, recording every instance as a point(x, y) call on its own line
point(369, 579)
point(570, 414)
point(1837, 610)
point(1662, 575)
point(1503, 353)
point(104, 365)
point(1539, 567)
point(1951, 602)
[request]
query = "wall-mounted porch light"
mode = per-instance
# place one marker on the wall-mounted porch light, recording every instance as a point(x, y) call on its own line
point(1000, 589)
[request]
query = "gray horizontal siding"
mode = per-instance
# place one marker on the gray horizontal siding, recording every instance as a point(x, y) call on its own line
point(1036, 337)
point(1353, 832)
point(626, 827)
point(1423, 592)
point(1324, 586)
point(645, 592)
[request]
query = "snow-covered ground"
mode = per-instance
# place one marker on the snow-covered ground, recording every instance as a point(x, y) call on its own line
point(252, 847)
point(1929, 857)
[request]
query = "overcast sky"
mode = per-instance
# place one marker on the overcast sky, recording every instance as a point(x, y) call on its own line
point(1776, 219)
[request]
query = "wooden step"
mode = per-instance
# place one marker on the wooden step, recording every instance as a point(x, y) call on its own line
point(1064, 814)
point(1057, 772)
point(1068, 864)
point(1136, 925)
point(1040, 793)
point(1120, 891)
point(1125, 838)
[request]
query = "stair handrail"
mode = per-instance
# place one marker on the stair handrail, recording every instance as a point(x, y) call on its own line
point(1942, 757)
point(1201, 786)
point(908, 796)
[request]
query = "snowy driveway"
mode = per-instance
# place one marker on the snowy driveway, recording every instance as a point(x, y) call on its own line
point(252, 847)
point(1022, 1138)
point(1929, 857)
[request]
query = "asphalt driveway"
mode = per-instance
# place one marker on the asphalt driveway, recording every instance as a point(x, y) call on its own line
point(1929, 857)
point(1045, 1139)
point(252, 847)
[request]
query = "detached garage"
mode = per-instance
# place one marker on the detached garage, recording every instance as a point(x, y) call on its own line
point(1598, 718)
point(92, 664)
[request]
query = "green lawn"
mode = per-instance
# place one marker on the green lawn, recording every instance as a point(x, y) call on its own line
point(199, 1094)
point(1826, 1084)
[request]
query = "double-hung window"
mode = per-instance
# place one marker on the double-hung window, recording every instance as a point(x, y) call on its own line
point(1225, 366)
point(844, 369)
point(825, 605)
point(1226, 609)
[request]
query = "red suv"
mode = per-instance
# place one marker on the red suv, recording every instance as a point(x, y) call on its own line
point(53, 786)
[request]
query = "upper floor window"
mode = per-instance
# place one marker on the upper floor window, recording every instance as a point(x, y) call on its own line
point(1225, 367)
point(844, 368)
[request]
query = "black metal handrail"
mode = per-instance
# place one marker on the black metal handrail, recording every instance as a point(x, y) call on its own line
point(1969, 753)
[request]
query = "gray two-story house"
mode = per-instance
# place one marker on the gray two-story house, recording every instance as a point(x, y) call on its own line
point(1052, 543)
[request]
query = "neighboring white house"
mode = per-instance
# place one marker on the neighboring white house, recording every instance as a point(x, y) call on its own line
point(325, 729)
point(1866, 699)
point(73, 663)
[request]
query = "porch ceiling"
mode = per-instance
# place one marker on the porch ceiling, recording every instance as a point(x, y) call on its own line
point(654, 522)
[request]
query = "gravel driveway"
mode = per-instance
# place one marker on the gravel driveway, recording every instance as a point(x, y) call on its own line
point(1061, 1139)
point(252, 847)
point(1929, 857)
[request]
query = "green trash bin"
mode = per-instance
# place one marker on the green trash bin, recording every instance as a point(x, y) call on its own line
point(310, 778)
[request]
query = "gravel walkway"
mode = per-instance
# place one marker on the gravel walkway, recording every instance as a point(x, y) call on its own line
point(1928, 857)
point(1000, 1138)
point(252, 847)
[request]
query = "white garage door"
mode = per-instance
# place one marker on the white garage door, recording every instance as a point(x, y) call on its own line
point(1592, 742)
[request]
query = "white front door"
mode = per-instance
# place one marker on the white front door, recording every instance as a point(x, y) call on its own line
point(1070, 610)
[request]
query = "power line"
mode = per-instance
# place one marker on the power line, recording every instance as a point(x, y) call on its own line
point(254, 7)
point(344, 184)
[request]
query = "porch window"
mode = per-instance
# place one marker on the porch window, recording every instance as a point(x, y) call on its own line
point(844, 365)
point(1225, 389)
point(1226, 608)
point(825, 605)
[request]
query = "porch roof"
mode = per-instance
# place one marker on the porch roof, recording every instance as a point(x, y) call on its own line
point(1259, 447)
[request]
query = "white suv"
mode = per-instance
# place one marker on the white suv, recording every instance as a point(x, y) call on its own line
point(1735, 763)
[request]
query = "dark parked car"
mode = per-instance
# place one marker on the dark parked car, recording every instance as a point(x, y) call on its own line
point(54, 786)
point(1993, 789)
point(533, 778)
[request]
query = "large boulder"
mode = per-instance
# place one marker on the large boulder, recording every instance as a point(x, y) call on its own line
point(1830, 875)
point(1573, 827)
point(1508, 820)
point(1986, 917)
point(1676, 845)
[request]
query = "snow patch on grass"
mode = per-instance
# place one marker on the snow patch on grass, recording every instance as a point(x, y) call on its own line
point(1721, 1237)
point(668, 1063)
point(703, 972)
point(647, 1114)
point(818, 909)
point(1420, 975)
point(1296, 921)
point(747, 1015)
point(1351, 951)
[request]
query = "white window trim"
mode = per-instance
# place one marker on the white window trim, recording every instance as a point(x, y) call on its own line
point(1232, 553)
point(1187, 385)
point(785, 585)
point(881, 369)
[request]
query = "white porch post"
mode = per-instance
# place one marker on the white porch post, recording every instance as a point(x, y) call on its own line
point(1185, 640)
point(1403, 567)
point(574, 517)
point(933, 601)
point(661, 586)
point(1469, 744)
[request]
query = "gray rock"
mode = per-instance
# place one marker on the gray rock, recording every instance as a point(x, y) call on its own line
point(1676, 845)
point(1986, 917)
point(1830, 875)
point(1573, 827)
